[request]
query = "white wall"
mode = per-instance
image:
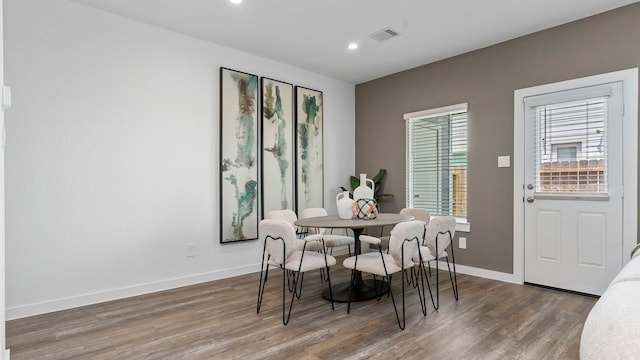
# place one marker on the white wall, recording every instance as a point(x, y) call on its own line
point(3, 354)
point(112, 156)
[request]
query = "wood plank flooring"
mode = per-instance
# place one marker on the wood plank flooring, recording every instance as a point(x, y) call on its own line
point(218, 320)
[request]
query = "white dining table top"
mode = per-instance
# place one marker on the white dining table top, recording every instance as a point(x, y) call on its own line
point(334, 221)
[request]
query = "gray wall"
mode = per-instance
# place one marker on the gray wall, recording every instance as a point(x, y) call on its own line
point(486, 79)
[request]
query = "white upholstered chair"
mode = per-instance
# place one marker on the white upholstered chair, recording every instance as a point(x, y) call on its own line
point(418, 214)
point(403, 246)
point(330, 240)
point(285, 214)
point(291, 217)
point(437, 238)
point(281, 251)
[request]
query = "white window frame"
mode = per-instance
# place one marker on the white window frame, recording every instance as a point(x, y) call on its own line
point(462, 224)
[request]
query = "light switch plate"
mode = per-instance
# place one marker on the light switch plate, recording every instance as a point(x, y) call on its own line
point(504, 161)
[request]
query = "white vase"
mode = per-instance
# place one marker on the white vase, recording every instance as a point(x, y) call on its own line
point(363, 191)
point(345, 205)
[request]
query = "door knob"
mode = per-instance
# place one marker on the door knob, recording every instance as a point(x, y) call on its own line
point(530, 186)
point(530, 199)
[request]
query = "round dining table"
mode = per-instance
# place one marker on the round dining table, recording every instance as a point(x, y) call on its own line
point(362, 289)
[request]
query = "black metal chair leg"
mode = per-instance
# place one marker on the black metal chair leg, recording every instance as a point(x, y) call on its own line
point(433, 302)
point(263, 280)
point(401, 323)
point(296, 279)
point(395, 308)
point(410, 279)
point(437, 285)
point(390, 276)
point(324, 251)
point(260, 293)
point(353, 277)
point(285, 277)
point(454, 279)
point(422, 296)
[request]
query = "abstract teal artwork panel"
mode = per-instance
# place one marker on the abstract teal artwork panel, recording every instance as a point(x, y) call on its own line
point(309, 151)
point(278, 130)
point(238, 156)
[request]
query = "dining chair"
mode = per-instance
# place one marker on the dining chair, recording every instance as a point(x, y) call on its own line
point(280, 250)
point(418, 214)
point(291, 217)
point(403, 245)
point(330, 240)
point(437, 238)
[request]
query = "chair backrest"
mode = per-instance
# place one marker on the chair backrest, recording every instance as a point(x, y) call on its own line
point(418, 214)
point(286, 215)
point(313, 212)
point(279, 237)
point(439, 224)
point(407, 230)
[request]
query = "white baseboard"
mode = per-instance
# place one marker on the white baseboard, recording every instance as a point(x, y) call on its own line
point(483, 273)
point(462, 269)
point(7, 354)
point(22, 311)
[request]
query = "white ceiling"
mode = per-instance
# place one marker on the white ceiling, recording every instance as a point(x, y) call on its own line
point(313, 35)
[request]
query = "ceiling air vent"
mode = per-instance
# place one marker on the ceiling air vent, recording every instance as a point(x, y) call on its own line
point(384, 34)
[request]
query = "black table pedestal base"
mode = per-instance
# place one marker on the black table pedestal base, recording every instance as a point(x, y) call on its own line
point(362, 291)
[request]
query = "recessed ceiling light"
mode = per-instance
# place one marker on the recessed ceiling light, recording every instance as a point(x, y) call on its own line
point(236, 1)
point(352, 46)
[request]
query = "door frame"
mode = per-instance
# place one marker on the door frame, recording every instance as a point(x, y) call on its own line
point(629, 79)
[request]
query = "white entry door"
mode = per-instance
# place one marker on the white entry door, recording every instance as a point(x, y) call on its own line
point(573, 195)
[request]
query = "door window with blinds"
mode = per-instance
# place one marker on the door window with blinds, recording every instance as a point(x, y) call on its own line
point(436, 177)
point(571, 142)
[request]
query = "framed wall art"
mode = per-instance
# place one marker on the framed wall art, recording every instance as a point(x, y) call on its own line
point(277, 187)
point(238, 156)
point(309, 151)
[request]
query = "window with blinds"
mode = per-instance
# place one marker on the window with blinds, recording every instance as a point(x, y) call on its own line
point(571, 146)
point(436, 177)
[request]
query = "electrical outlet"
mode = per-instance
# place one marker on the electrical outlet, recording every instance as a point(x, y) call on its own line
point(191, 249)
point(462, 242)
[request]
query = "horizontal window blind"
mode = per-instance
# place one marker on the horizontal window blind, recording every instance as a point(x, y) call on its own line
point(571, 146)
point(437, 163)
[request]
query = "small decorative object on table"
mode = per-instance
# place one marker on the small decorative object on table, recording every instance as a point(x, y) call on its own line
point(364, 191)
point(344, 205)
point(366, 209)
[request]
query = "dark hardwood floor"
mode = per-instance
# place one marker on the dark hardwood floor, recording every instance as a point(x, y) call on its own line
point(218, 320)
